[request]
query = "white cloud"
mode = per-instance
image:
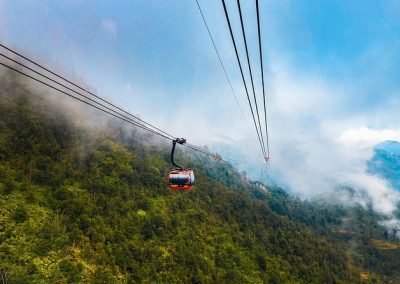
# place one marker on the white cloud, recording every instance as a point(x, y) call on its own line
point(364, 137)
point(383, 199)
point(392, 224)
point(318, 142)
point(110, 27)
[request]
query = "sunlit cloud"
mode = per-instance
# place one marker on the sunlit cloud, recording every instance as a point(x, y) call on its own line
point(366, 137)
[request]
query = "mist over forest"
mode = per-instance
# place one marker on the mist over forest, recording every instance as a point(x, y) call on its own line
point(84, 198)
point(284, 115)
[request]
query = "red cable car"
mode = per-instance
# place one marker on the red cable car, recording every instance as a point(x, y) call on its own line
point(179, 178)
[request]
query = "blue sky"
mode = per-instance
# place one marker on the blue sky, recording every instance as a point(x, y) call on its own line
point(331, 68)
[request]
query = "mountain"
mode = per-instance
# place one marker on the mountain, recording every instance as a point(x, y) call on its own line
point(390, 147)
point(385, 162)
point(85, 200)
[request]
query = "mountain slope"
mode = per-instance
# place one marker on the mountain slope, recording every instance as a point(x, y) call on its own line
point(82, 204)
point(386, 162)
point(389, 146)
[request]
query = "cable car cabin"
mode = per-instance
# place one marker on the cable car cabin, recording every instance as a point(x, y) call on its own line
point(181, 179)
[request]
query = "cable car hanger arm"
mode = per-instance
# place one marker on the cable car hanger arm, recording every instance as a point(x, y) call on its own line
point(180, 141)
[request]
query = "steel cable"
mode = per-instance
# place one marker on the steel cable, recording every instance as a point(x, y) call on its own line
point(241, 71)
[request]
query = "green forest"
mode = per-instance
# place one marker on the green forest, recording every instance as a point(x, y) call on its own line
point(92, 205)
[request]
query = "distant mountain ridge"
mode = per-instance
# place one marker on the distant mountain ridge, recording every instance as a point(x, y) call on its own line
point(386, 162)
point(389, 146)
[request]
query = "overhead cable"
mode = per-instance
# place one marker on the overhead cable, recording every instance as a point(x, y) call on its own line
point(93, 103)
point(220, 60)
point(262, 76)
point(79, 99)
point(79, 87)
point(251, 74)
point(77, 93)
point(241, 72)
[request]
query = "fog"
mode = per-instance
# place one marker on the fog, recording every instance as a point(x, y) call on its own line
point(320, 141)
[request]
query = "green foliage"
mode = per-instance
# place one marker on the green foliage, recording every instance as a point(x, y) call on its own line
point(93, 207)
point(71, 270)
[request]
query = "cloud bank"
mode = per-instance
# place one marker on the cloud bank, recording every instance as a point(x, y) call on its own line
point(319, 143)
point(320, 139)
point(364, 137)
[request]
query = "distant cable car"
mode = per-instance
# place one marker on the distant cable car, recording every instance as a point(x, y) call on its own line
point(180, 178)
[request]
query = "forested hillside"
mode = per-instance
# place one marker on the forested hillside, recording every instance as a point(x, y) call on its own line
point(82, 204)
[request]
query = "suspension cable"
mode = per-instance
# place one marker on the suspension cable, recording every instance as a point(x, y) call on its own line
point(251, 74)
point(81, 100)
point(241, 71)
point(99, 106)
point(79, 94)
point(262, 77)
point(81, 88)
point(220, 61)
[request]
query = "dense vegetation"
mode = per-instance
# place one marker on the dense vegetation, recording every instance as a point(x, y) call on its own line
point(87, 205)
